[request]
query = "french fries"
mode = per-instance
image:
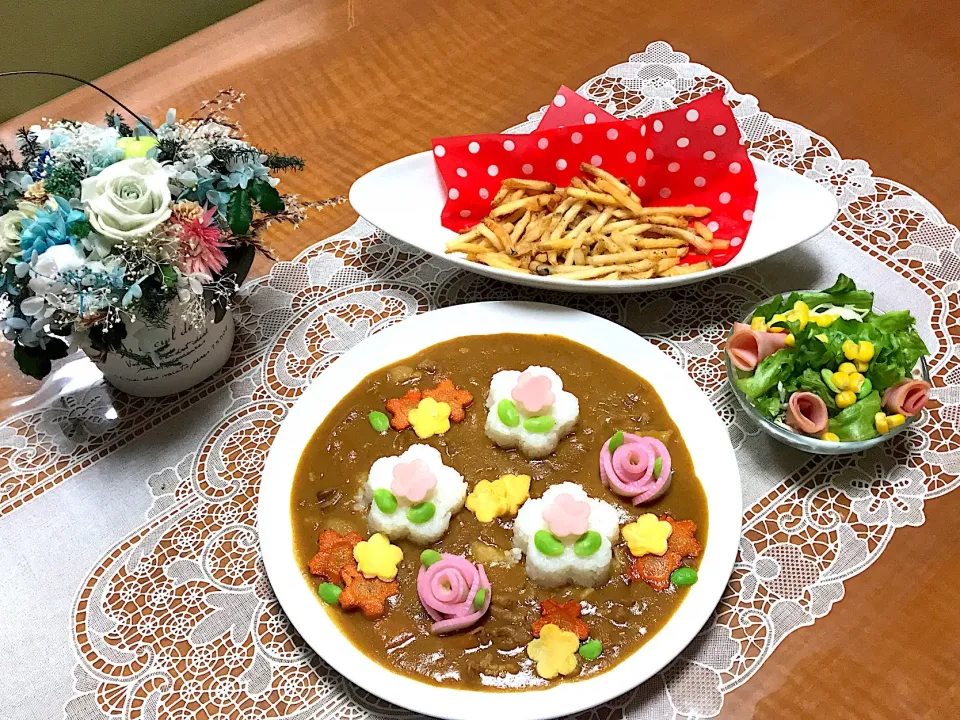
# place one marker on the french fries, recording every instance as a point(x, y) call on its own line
point(595, 229)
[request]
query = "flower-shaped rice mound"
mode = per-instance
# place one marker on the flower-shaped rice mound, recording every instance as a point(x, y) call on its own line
point(413, 480)
point(535, 396)
point(569, 566)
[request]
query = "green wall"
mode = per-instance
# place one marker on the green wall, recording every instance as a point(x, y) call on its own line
point(89, 38)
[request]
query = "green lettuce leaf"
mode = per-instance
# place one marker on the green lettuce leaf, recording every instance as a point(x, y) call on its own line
point(768, 405)
point(771, 370)
point(811, 381)
point(843, 292)
point(856, 421)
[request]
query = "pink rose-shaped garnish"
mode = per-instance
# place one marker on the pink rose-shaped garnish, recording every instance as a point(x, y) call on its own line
point(630, 470)
point(533, 392)
point(413, 480)
point(448, 590)
point(566, 516)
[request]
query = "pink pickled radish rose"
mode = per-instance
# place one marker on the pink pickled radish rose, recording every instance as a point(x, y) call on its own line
point(447, 590)
point(628, 471)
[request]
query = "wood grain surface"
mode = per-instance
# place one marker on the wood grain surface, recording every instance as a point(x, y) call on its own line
point(352, 84)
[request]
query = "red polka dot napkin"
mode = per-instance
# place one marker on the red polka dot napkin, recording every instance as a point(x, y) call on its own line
point(689, 155)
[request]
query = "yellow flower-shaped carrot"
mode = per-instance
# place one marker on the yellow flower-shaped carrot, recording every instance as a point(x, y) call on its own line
point(430, 418)
point(555, 651)
point(377, 558)
point(503, 496)
point(647, 535)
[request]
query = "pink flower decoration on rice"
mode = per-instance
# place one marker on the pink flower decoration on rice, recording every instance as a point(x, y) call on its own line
point(533, 392)
point(413, 480)
point(566, 516)
point(200, 246)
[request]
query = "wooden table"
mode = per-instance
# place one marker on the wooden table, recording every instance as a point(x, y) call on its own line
point(352, 84)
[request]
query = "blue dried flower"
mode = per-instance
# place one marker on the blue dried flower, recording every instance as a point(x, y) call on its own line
point(50, 227)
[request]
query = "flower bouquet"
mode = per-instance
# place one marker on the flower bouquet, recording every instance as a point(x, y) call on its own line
point(130, 242)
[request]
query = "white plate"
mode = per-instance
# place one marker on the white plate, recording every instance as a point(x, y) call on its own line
point(405, 198)
point(706, 438)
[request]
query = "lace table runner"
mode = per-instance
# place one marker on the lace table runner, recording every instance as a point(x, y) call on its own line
point(171, 616)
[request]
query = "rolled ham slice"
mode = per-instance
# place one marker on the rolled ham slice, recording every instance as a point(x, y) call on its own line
point(907, 397)
point(747, 347)
point(807, 413)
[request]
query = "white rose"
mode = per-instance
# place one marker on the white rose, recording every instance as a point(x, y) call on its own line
point(10, 227)
point(127, 199)
point(45, 272)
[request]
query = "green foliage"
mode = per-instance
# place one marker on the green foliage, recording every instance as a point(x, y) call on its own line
point(278, 161)
point(103, 339)
point(7, 162)
point(28, 146)
point(154, 304)
point(115, 120)
point(168, 148)
point(63, 180)
point(267, 197)
point(36, 361)
point(239, 211)
point(223, 154)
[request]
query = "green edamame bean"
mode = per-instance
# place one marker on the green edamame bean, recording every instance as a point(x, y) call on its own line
point(378, 420)
point(508, 413)
point(827, 375)
point(421, 512)
point(683, 576)
point(616, 441)
point(385, 500)
point(538, 424)
point(657, 467)
point(428, 557)
point(865, 389)
point(329, 593)
point(591, 649)
point(479, 598)
point(548, 543)
point(587, 544)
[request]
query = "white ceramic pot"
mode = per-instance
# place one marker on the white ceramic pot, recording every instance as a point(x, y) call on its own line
point(163, 361)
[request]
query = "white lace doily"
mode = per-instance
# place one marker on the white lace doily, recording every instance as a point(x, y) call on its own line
point(179, 615)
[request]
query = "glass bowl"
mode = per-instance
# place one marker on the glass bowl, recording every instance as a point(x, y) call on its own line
point(806, 443)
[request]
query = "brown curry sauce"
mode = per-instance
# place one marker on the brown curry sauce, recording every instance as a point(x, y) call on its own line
point(492, 655)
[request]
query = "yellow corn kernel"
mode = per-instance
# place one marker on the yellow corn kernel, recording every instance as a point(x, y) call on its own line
point(856, 381)
point(847, 367)
point(846, 398)
point(758, 324)
point(841, 380)
point(822, 338)
point(830, 437)
point(789, 340)
point(864, 351)
point(824, 320)
point(850, 349)
point(862, 366)
point(880, 421)
point(895, 420)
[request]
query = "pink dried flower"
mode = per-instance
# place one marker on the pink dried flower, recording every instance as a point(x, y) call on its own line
point(200, 246)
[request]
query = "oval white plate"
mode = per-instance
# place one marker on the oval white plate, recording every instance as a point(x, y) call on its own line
point(405, 198)
point(705, 435)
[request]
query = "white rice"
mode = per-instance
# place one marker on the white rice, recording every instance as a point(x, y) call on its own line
point(448, 496)
point(548, 571)
point(565, 413)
